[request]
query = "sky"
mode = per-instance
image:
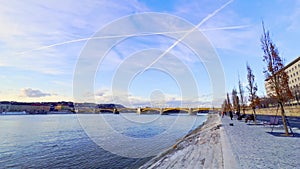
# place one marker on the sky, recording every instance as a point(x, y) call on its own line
point(185, 53)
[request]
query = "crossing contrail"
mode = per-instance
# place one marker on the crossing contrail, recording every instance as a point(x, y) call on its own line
point(96, 37)
point(187, 32)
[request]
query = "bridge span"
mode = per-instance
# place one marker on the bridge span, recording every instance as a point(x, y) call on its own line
point(153, 110)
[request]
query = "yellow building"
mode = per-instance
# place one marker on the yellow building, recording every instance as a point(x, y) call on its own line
point(58, 107)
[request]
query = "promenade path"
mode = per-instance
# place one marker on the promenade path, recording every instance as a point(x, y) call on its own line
point(241, 146)
point(205, 147)
point(254, 146)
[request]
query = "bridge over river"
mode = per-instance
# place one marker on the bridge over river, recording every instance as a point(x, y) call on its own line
point(153, 110)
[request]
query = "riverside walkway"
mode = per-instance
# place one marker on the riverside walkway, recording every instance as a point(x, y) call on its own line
point(219, 145)
point(205, 147)
point(254, 146)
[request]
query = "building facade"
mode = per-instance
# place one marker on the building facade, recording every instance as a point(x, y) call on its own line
point(36, 108)
point(5, 106)
point(293, 71)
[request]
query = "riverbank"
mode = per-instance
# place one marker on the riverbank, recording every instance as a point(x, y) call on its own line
point(202, 148)
point(217, 144)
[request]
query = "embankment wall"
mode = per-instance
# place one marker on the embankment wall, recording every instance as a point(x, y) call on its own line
point(289, 111)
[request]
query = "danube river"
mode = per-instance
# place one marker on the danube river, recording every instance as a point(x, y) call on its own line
point(88, 140)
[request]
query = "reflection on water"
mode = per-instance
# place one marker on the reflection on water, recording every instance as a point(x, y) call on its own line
point(62, 141)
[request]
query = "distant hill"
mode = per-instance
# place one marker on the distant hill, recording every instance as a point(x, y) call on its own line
point(110, 106)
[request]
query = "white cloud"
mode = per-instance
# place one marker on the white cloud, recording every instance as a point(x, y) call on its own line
point(33, 93)
point(127, 99)
point(28, 25)
point(34, 24)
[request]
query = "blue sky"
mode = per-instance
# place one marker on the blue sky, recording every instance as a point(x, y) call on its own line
point(42, 41)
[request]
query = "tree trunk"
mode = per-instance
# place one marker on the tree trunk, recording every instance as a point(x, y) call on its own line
point(283, 119)
point(254, 114)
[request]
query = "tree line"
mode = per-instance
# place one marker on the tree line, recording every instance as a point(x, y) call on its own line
point(277, 80)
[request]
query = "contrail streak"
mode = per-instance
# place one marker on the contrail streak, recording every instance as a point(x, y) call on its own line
point(97, 37)
point(226, 28)
point(129, 35)
point(145, 34)
point(187, 33)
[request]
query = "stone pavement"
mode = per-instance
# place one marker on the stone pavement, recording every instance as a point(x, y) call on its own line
point(255, 147)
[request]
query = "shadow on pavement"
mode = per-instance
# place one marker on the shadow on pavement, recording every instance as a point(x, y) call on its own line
point(281, 134)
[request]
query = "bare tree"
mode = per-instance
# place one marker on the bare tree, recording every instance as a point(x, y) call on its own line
point(241, 91)
point(277, 77)
point(224, 106)
point(235, 100)
point(228, 103)
point(252, 88)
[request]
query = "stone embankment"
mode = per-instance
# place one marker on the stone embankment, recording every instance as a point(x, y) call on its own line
point(202, 148)
point(231, 144)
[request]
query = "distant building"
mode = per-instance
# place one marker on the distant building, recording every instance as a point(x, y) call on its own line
point(4, 106)
point(31, 108)
point(85, 107)
point(36, 107)
point(62, 106)
point(293, 71)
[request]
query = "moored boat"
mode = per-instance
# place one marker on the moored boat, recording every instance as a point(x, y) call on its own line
point(14, 113)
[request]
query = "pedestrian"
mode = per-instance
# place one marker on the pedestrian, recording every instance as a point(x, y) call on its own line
point(238, 115)
point(230, 114)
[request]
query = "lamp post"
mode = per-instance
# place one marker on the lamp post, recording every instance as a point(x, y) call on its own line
point(297, 98)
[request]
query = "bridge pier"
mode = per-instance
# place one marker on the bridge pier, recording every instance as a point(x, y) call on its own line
point(190, 112)
point(138, 110)
point(161, 111)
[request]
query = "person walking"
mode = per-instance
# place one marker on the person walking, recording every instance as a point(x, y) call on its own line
point(230, 114)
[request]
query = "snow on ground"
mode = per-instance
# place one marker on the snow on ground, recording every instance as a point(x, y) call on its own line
point(200, 149)
point(218, 145)
point(254, 146)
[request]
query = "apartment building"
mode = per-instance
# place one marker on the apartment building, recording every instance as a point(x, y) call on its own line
point(293, 71)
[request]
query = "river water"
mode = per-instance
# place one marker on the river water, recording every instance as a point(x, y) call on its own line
point(88, 140)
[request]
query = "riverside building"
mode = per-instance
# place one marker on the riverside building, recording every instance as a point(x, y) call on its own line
point(293, 71)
